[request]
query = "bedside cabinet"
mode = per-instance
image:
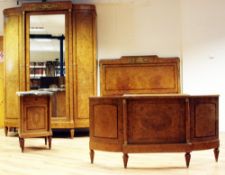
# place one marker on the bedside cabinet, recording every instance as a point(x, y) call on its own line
point(35, 114)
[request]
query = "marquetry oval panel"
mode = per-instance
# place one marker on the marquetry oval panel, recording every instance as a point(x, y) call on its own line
point(204, 118)
point(156, 121)
point(36, 117)
point(105, 121)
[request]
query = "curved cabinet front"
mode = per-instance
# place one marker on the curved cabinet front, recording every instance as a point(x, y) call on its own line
point(155, 123)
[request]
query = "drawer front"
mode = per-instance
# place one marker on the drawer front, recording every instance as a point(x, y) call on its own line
point(31, 100)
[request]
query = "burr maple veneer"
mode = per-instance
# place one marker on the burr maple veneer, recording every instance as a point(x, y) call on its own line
point(79, 60)
point(142, 110)
point(35, 115)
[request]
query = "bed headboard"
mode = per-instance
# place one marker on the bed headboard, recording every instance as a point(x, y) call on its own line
point(139, 75)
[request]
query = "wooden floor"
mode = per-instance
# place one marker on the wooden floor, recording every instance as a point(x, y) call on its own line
point(71, 157)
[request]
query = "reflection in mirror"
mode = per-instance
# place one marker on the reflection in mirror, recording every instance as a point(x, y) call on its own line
point(47, 50)
point(47, 57)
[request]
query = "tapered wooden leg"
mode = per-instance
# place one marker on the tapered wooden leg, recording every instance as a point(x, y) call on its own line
point(125, 159)
point(45, 140)
point(21, 140)
point(92, 154)
point(49, 142)
point(6, 131)
point(188, 158)
point(216, 153)
point(71, 133)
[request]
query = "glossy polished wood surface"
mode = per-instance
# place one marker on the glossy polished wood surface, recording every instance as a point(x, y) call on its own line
point(84, 60)
point(46, 6)
point(58, 104)
point(80, 60)
point(154, 123)
point(35, 118)
point(1, 85)
point(140, 74)
point(13, 65)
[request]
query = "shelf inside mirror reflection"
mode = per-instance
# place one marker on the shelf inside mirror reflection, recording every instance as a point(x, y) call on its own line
point(47, 82)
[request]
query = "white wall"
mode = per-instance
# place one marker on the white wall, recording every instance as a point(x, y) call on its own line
point(139, 28)
point(3, 5)
point(144, 27)
point(133, 27)
point(203, 23)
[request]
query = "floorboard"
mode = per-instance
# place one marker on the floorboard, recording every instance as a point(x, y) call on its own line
point(71, 157)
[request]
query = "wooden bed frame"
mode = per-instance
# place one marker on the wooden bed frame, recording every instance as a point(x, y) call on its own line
point(142, 110)
point(140, 74)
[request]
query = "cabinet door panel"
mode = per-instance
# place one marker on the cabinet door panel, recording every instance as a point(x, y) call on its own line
point(85, 59)
point(1, 85)
point(12, 62)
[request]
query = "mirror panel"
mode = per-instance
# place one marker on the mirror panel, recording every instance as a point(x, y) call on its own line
point(47, 57)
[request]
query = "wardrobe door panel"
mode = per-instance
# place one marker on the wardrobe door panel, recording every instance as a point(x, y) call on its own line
point(1, 84)
point(12, 64)
point(85, 61)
